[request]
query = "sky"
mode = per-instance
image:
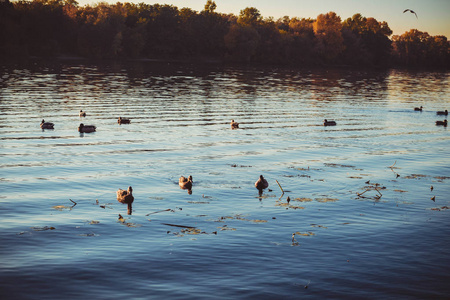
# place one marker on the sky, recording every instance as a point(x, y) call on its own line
point(433, 15)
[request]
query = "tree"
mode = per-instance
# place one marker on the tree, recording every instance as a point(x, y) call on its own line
point(366, 41)
point(417, 48)
point(249, 16)
point(327, 29)
point(241, 42)
point(210, 6)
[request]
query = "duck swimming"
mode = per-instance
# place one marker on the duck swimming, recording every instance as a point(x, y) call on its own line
point(329, 123)
point(126, 197)
point(82, 113)
point(442, 113)
point(234, 124)
point(46, 125)
point(418, 108)
point(185, 183)
point(123, 121)
point(441, 123)
point(261, 184)
point(86, 128)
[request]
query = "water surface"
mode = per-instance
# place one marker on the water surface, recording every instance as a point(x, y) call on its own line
point(390, 242)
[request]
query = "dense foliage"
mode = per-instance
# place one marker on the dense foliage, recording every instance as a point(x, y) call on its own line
point(49, 28)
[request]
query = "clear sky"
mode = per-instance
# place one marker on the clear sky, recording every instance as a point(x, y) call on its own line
point(433, 15)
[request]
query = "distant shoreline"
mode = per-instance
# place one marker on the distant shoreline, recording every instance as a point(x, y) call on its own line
point(207, 61)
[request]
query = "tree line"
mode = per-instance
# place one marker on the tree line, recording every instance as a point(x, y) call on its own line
point(50, 28)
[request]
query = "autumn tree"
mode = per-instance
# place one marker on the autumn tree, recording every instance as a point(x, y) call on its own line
point(327, 30)
point(249, 16)
point(366, 41)
point(241, 42)
point(303, 40)
point(210, 6)
point(126, 30)
point(417, 48)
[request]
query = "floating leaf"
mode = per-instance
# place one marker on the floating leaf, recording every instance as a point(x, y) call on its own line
point(94, 222)
point(226, 228)
point(88, 234)
point(302, 199)
point(61, 207)
point(296, 207)
point(134, 225)
point(191, 231)
point(323, 200)
point(319, 226)
point(415, 176)
point(42, 228)
point(287, 205)
point(339, 166)
point(440, 208)
point(309, 233)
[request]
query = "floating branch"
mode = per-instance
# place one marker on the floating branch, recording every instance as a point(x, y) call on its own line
point(280, 189)
point(379, 192)
point(175, 225)
point(359, 194)
point(306, 286)
point(158, 212)
point(280, 186)
point(74, 203)
point(393, 164)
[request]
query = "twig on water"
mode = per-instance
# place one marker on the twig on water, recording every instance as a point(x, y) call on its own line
point(74, 203)
point(280, 189)
point(393, 164)
point(158, 212)
point(306, 286)
point(379, 192)
point(175, 225)
point(359, 194)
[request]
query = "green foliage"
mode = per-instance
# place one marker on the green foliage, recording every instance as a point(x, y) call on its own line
point(49, 28)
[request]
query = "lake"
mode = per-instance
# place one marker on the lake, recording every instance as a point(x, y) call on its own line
point(368, 214)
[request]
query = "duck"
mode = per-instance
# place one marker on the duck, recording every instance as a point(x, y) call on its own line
point(82, 113)
point(234, 124)
point(185, 183)
point(418, 108)
point(86, 128)
point(442, 113)
point(123, 121)
point(329, 123)
point(442, 123)
point(46, 125)
point(261, 184)
point(126, 197)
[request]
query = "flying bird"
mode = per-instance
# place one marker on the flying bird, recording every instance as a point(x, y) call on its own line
point(413, 12)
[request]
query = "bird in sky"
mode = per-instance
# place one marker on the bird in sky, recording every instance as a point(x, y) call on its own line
point(413, 12)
